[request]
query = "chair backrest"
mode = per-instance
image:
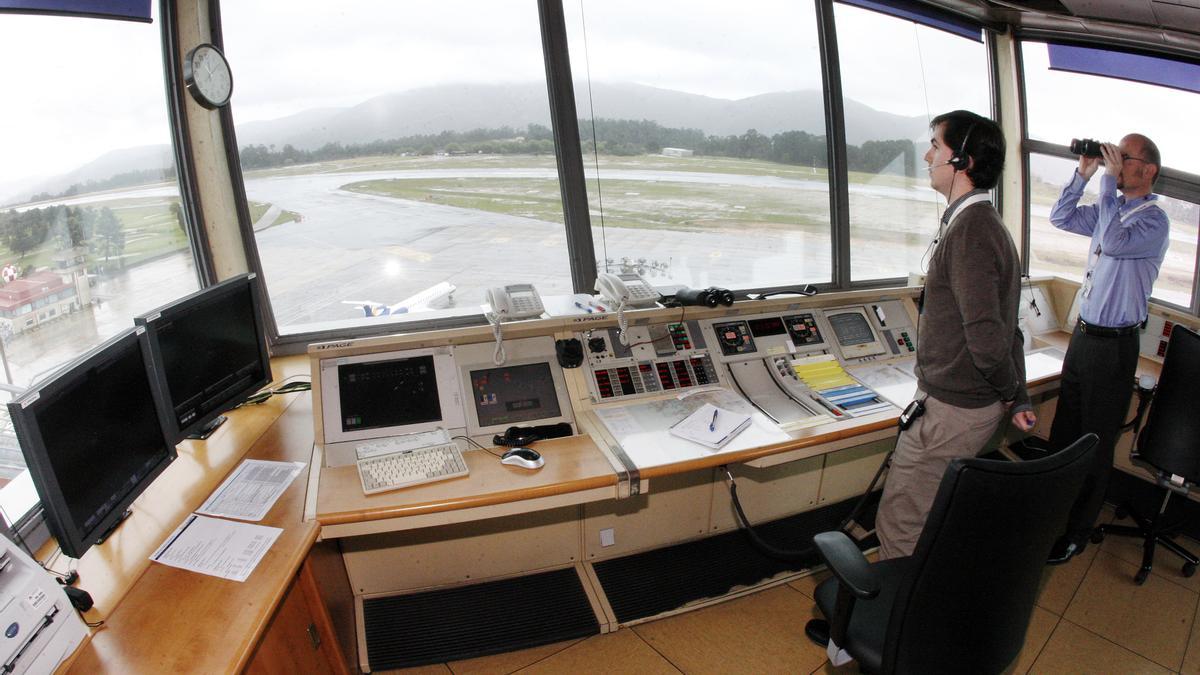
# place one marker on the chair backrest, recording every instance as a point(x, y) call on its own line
point(965, 603)
point(1170, 441)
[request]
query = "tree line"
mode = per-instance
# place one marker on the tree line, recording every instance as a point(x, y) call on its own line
point(66, 227)
point(616, 137)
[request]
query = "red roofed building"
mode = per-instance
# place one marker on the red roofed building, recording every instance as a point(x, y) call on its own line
point(36, 298)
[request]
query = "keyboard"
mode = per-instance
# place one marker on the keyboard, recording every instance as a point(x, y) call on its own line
point(390, 471)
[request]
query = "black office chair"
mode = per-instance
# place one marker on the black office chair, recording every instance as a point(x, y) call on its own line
point(1169, 448)
point(961, 602)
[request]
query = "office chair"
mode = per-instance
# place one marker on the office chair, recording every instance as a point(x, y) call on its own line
point(1169, 448)
point(961, 602)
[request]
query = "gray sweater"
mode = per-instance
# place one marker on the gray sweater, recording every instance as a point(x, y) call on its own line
point(969, 348)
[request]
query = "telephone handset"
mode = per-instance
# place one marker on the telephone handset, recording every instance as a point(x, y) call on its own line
point(628, 289)
point(515, 301)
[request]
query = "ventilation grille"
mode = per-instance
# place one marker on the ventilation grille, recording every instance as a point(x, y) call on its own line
point(470, 621)
point(650, 583)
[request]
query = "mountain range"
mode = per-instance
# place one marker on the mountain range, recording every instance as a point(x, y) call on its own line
point(462, 107)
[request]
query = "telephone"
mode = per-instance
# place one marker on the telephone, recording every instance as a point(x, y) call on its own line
point(515, 301)
point(628, 289)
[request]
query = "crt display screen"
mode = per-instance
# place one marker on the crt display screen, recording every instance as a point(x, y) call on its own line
point(514, 394)
point(851, 328)
point(390, 393)
point(210, 354)
point(101, 435)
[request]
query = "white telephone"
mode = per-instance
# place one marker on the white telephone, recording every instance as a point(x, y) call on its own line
point(515, 301)
point(628, 289)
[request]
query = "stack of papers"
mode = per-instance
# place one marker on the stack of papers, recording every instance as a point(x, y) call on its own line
point(710, 426)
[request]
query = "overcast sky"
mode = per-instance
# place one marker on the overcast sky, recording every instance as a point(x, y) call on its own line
point(80, 87)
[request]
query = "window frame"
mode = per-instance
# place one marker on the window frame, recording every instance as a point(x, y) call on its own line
point(1171, 183)
point(572, 182)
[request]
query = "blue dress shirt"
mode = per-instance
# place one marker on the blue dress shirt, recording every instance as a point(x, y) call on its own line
point(1129, 241)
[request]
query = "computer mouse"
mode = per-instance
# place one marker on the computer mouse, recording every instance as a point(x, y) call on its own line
point(523, 457)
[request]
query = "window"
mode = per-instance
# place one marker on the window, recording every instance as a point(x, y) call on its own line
point(896, 76)
point(89, 202)
point(703, 130)
point(1112, 109)
point(397, 157)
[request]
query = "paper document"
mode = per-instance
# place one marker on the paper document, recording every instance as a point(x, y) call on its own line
point(251, 490)
point(221, 548)
point(710, 426)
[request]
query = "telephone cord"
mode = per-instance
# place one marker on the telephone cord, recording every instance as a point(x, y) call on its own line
point(623, 324)
point(498, 357)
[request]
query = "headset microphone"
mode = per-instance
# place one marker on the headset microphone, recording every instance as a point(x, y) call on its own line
point(931, 167)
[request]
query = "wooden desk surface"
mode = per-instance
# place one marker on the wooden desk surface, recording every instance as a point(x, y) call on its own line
point(172, 620)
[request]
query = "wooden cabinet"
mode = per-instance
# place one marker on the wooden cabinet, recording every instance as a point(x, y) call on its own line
point(300, 637)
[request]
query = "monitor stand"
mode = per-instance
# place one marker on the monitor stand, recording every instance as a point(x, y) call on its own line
point(207, 430)
point(107, 533)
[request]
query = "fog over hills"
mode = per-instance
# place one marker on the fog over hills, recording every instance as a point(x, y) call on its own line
point(463, 107)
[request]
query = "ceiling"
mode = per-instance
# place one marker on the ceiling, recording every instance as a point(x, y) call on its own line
point(1166, 25)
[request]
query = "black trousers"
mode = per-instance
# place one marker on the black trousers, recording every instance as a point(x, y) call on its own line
point(1097, 383)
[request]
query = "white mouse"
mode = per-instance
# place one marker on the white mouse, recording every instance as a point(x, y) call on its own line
point(523, 457)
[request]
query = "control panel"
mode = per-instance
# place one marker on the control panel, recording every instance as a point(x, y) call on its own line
point(663, 357)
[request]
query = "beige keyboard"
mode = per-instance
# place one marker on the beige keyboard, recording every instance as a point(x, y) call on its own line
point(383, 472)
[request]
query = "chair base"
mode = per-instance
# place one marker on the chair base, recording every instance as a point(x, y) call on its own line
point(817, 630)
point(1152, 534)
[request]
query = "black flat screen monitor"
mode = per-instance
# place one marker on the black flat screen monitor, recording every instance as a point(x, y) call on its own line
point(93, 440)
point(211, 351)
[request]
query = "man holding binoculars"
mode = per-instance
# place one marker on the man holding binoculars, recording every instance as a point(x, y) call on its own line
point(1129, 236)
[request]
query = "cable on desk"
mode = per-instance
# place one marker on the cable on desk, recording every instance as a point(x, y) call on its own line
point(265, 394)
point(477, 445)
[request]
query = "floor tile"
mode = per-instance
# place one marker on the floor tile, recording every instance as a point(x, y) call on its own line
point(622, 651)
point(1060, 582)
point(1072, 649)
point(1153, 620)
point(1191, 659)
point(808, 585)
point(759, 633)
point(1041, 624)
point(508, 661)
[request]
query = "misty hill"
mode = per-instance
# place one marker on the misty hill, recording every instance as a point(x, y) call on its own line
point(463, 107)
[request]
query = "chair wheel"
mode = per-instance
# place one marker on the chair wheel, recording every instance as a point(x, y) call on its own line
point(1189, 569)
point(1122, 512)
point(1097, 536)
point(1140, 578)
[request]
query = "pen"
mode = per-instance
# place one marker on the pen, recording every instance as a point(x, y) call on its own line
point(585, 308)
point(712, 426)
point(597, 306)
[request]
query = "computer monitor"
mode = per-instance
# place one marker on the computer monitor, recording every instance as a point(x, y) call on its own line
point(93, 439)
point(527, 389)
point(389, 394)
point(855, 335)
point(211, 348)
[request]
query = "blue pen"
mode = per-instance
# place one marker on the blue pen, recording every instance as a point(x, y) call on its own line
point(712, 426)
point(585, 308)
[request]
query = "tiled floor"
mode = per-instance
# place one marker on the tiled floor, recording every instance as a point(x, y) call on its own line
point(1091, 618)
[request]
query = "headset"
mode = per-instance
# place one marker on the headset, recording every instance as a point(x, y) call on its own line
point(960, 160)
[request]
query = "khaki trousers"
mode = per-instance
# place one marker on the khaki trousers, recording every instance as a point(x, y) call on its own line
point(922, 454)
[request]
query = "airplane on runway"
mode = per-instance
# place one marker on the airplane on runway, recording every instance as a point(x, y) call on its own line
point(436, 296)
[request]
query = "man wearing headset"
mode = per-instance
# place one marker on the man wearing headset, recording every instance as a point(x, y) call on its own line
point(970, 360)
point(1129, 235)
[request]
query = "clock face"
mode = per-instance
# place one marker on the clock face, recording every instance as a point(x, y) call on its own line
point(206, 74)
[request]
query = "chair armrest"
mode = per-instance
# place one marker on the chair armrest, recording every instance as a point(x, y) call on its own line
point(848, 564)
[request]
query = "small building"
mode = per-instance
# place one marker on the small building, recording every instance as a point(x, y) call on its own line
point(677, 152)
point(36, 298)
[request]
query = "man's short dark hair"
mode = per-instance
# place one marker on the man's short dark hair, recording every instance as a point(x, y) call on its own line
point(985, 145)
point(1151, 155)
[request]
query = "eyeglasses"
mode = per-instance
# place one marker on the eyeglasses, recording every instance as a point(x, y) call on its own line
point(1126, 158)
